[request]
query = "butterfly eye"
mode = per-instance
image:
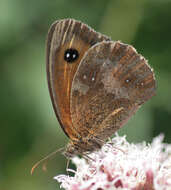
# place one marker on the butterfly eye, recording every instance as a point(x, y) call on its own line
point(71, 55)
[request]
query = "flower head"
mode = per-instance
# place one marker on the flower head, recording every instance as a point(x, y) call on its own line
point(121, 165)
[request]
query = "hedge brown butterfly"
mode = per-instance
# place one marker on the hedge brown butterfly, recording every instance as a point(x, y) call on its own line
point(95, 84)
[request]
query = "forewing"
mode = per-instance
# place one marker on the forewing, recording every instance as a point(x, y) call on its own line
point(66, 34)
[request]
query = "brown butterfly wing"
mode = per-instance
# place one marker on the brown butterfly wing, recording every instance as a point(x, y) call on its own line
point(66, 34)
point(110, 84)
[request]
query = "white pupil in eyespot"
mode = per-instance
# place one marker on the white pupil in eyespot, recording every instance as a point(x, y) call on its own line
point(68, 55)
point(84, 76)
point(127, 80)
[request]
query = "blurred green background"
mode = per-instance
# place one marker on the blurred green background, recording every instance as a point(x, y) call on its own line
point(29, 129)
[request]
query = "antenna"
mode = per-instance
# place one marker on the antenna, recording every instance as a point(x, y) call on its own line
point(45, 158)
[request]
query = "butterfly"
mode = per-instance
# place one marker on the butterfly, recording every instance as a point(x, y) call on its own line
point(95, 84)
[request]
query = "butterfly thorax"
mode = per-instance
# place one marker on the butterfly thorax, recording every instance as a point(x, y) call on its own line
point(82, 147)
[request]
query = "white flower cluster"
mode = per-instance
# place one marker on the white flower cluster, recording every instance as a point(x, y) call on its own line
point(123, 166)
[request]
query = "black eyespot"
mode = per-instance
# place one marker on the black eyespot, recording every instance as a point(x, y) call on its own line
point(71, 55)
